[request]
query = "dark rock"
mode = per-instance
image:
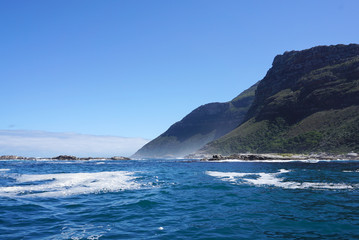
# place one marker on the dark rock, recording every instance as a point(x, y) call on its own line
point(216, 157)
point(120, 158)
point(11, 157)
point(65, 157)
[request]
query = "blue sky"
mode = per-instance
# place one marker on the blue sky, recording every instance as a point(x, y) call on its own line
point(132, 68)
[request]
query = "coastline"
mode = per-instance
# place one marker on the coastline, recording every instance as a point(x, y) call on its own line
point(279, 157)
point(270, 157)
point(62, 157)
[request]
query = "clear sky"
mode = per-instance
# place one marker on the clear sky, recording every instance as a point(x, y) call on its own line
point(132, 68)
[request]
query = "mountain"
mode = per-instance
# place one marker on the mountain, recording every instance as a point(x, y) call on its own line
point(307, 102)
point(201, 126)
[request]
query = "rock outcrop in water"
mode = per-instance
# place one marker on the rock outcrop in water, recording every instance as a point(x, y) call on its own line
point(307, 102)
point(65, 157)
point(203, 125)
point(62, 157)
point(12, 157)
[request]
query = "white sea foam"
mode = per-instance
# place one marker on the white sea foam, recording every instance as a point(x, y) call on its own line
point(86, 231)
point(351, 171)
point(272, 179)
point(4, 170)
point(66, 184)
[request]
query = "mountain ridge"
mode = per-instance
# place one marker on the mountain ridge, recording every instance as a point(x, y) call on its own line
point(307, 102)
point(313, 87)
point(204, 124)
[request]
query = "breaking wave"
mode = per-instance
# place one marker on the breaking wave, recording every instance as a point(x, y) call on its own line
point(67, 184)
point(273, 179)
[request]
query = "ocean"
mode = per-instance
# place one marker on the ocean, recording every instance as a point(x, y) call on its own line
point(179, 199)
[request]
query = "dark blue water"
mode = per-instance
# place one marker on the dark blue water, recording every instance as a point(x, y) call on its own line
point(176, 199)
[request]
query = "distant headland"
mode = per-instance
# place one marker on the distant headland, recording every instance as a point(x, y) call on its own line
point(308, 102)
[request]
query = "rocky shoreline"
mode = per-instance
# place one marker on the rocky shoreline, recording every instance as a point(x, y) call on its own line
point(215, 157)
point(286, 156)
point(62, 157)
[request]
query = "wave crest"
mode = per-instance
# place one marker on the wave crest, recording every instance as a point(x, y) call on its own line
point(67, 184)
point(272, 179)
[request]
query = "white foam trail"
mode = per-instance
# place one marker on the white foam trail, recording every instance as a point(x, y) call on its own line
point(351, 171)
point(66, 184)
point(228, 176)
point(272, 179)
point(4, 170)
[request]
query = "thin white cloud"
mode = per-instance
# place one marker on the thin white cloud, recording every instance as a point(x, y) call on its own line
point(50, 144)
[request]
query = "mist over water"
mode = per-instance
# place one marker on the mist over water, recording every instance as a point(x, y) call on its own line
point(179, 199)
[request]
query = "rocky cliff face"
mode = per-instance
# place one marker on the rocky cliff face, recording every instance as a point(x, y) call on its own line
point(308, 101)
point(309, 78)
point(204, 124)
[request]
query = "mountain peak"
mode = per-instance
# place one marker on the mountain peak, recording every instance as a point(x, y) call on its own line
point(325, 54)
point(308, 101)
point(288, 69)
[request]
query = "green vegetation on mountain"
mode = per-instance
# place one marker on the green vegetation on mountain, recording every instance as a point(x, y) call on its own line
point(204, 124)
point(307, 102)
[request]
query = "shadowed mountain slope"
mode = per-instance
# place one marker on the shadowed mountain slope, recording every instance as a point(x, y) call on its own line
point(204, 124)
